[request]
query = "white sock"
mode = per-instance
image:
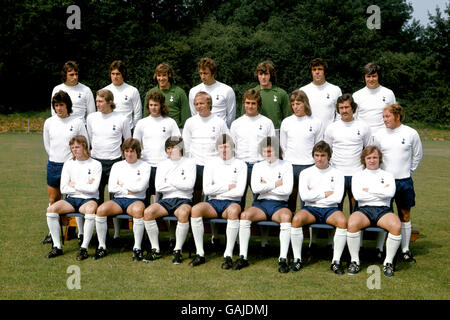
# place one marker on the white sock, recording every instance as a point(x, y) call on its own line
point(153, 233)
point(181, 234)
point(89, 225)
point(406, 235)
point(244, 237)
point(116, 228)
point(80, 224)
point(198, 230)
point(101, 226)
point(353, 243)
point(312, 235)
point(392, 245)
point(232, 233)
point(381, 237)
point(138, 231)
point(54, 227)
point(339, 242)
point(285, 239)
point(264, 235)
point(297, 241)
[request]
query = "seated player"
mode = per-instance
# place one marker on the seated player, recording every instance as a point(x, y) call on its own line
point(373, 188)
point(80, 178)
point(224, 181)
point(175, 179)
point(321, 187)
point(272, 181)
point(128, 181)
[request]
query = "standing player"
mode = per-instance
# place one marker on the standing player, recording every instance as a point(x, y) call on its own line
point(126, 97)
point(373, 188)
point(373, 98)
point(107, 130)
point(223, 99)
point(322, 95)
point(272, 182)
point(275, 101)
point(128, 181)
point(80, 178)
point(175, 179)
point(176, 99)
point(224, 181)
point(402, 153)
point(199, 135)
point(58, 131)
point(321, 187)
point(248, 130)
point(298, 135)
point(82, 98)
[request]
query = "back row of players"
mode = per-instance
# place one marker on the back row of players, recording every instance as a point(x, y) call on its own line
point(347, 136)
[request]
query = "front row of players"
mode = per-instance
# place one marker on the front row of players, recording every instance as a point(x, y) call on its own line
point(321, 187)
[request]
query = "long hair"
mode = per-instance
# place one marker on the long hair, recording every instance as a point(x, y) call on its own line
point(84, 143)
point(157, 96)
point(69, 65)
point(368, 150)
point(62, 96)
point(300, 95)
point(108, 96)
point(132, 144)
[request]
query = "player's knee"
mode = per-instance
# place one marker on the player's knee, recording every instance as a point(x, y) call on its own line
point(101, 211)
point(196, 211)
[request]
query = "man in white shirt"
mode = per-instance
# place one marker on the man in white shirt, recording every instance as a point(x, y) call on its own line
point(402, 153)
point(373, 188)
point(322, 95)
point(126, 97)
point(82, 98)
point(272, 182)
point(321, 187)
point(175, 179)
point(373, 98)
point(224, 181)
point(223, 96)
point(199, 135)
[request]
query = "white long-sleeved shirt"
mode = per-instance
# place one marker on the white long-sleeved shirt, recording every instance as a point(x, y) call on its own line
point(176, 179)
point(106, 132)
point(152, 133)
point(401, 148)
point(133, 177)
point(200, 135)
point(219, 174)
point(57, 133)
point(83, 102)
point(314, 182)
point(322, 100)
point(127, 101)
point(223, 100)
point(371, 103)
point(81, 172)
point(247, 132)
point(298, 135)
point(347, 140)
point(380, 184)
point(270, 173)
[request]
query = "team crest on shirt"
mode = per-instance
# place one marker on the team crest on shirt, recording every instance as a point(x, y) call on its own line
point(382, 180)
point(213, 129)
point(217, 97)
point(171, 99)
point(310, 128)
point(359, 133)
point(138, 172)
point(89, 171)
point(182, 172)
point(235, 170)
point(126, 98)
point(79, 95)
point(328, 96)
point(279, 175)
point(403, 141)
point(275, 98)
point(71, 128)
point(260, 127)
point(114, 127)
point(332, 179)
point(164, 129)
point(384, 99)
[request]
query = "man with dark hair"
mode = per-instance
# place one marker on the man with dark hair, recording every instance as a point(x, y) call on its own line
point(80, 95)
point(126, 97)
point(176, 98)
point(322, 95)
point(275, 101)
point(373, 98)
point(321, 187)
point(222, 96)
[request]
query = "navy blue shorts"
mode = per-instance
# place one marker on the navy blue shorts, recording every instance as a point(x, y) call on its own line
point(270, 206)
point(321, 214)
point(78, 202)
point(404, 197)
point(374, 213)
point(54, 170)
point(124, 203)
point(173, 204)
point(199, 178)
point(221, 205)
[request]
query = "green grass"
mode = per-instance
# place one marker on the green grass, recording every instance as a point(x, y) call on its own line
point(26, 274)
